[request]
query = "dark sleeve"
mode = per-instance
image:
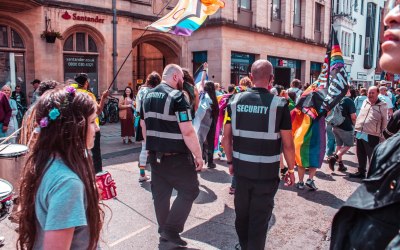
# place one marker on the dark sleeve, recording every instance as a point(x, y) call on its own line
point(393, 125)
point(351, 106)
point(286, 121)
point(228, 114)
point(141, 111)
point(7, 110)
point(181, 108)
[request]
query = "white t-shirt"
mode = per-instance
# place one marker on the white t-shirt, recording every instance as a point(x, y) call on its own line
point(297, 91)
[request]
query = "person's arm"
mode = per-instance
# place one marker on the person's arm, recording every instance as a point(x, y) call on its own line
point(227, 143)
point(58, 239)
point(196, 99)
point(100, 106)
point(384, 118)
point(353, 118)
point(192, 142)
point(289, 153)
point(121, 104)
point(203, 77)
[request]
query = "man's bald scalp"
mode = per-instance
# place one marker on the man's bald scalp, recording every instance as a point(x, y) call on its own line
point(170, 69)
point(261, 71)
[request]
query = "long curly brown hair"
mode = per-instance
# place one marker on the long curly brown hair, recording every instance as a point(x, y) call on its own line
point(64, 137)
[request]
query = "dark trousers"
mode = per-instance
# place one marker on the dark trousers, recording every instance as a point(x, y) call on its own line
point(254, 201)
point(173, 172)
point(96, 154)
point(364, 151)
point(208, 148)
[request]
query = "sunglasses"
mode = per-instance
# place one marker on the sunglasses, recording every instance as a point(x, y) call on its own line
point(391, 5)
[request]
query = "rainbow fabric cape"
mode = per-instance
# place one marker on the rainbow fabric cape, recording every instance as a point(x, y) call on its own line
point(308, 118)
point(187, 16)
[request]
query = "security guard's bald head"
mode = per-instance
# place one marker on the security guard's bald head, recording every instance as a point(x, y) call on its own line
point(173, 76)
point(261, 73)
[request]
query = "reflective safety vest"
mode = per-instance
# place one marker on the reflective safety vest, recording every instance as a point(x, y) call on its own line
point(255, 117)
point(162, 129)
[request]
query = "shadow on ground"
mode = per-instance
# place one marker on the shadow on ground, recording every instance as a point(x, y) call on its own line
point(215, 175)
point(320, 196)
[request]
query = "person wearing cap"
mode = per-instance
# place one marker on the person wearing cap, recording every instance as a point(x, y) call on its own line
point(35, 95)
point(82, 85)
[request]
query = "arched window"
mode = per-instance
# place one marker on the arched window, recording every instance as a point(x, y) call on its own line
point(12, 53)
point(81, 56)
point(80, 42)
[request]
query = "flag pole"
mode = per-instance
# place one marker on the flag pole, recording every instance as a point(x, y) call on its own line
point(330, 56)
point(130, 52)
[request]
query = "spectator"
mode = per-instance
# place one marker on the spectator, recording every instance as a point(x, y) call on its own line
point(125, 106)
point(5, 114)
point(35, 95)
point(370, 124)
point(360, 99)
point(13, 124)
point(246, 82)
point(19, 96)
point(385, 98)
point(295, 86)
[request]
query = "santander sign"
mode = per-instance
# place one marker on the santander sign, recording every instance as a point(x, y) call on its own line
point(67, 16)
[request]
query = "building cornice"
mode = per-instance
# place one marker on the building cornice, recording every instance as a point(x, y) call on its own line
point(106, 11)
point(222, 22)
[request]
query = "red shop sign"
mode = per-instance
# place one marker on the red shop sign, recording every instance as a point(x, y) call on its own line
point(77, 17)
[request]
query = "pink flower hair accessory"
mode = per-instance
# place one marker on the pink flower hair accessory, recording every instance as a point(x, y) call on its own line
point(44, 122)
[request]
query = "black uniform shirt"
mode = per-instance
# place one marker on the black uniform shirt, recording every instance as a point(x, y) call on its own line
point(163, 109)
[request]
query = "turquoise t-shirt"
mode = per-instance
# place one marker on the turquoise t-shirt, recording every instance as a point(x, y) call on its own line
point(60, 203)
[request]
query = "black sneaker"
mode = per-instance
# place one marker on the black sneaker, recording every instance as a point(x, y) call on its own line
point(173, 238)
point(331, 162)
point(342, 168)
point(310, 183)
point(211, 165)
point(357, 175)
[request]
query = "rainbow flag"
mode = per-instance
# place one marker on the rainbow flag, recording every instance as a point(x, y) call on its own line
point(187, 16)
point(308, 119)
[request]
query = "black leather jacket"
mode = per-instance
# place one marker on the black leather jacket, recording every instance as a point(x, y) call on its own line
point(370, 218)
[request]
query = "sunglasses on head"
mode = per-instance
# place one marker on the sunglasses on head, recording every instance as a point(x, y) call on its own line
point(392, 4)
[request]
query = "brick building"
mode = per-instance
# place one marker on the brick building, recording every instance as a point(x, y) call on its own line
point(292, 34)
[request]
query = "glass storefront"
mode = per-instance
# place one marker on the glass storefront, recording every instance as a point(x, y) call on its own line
point(240, 66)
point(315, 70)
point(285, 70)
point(12, 69)
point(199, 57)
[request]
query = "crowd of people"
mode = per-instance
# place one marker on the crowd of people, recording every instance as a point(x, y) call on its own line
point(184, 125)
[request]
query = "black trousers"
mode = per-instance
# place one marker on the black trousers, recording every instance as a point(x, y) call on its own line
point(254, 201)
point(96, 154)
point(364, 151)
point(173, 172)
point(208, 148)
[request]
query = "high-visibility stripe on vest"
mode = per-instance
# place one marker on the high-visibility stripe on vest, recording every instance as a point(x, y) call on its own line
point(162, 129)
point(255, 119)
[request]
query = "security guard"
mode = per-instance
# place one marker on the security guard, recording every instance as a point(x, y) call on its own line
point(257, 127)
point(174, 153)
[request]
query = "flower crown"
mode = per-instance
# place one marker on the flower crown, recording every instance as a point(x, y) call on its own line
point(55, 112)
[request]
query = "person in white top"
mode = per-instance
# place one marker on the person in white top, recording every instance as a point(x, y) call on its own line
point(384, 97)
point(295, 88)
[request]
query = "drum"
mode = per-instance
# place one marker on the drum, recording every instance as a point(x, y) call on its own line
point(6, 190)
point(12, 161)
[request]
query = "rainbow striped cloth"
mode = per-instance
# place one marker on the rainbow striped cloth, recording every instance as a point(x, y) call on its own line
point(187, 16)
point(308, 118)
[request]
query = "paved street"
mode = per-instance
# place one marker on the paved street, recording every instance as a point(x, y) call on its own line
point(301, 218)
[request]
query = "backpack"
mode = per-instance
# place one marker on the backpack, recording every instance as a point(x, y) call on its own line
point(335, 118)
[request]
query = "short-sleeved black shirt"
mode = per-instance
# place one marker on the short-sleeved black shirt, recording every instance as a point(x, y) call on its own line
point(348, 107)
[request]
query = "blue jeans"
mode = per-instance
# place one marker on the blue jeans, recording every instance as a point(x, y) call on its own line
point(330, 142)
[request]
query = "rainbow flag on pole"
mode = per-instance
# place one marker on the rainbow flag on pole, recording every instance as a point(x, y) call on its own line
point(308, 119)
point(187, 16)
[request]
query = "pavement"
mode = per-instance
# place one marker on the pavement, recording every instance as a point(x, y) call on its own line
point(301, 218)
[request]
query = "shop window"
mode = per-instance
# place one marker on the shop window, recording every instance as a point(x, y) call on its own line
point(12, 60)
point(244, 4)
point(80, 42)
point(91, 45)
point(3, 36)
point(81, 56)
point(318, 13)
point(297, 12)
point(276, 9)
point(16, 40)
point(240, 66)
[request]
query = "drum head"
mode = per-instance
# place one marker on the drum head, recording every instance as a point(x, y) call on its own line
point(12, 150)
point(5, 189)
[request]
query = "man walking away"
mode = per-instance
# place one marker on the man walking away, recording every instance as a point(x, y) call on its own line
point(370, 125)
point(344, 133)
point(253, 152)
point(172, 142)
